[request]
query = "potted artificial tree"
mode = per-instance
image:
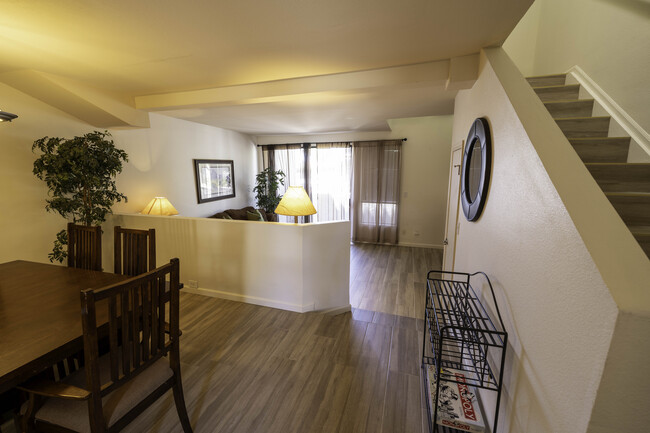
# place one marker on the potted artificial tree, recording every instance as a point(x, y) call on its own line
point(80, 174)
point(267, 183)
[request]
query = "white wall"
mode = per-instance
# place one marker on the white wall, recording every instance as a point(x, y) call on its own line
point(293, 267)
point(558, 311)
point(27, 230)
point(608, 39)
point(160, 164)
point(425, 172)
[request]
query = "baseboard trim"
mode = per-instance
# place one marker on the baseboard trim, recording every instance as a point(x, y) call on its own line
point(635, 130)
point(264, 302)
point(411, 244)
point(337, 310)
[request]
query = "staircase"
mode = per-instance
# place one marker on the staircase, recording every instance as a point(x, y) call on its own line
point(626, 185)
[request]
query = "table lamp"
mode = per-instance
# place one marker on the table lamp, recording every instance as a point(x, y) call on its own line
point(159, 206)
point(295, 202)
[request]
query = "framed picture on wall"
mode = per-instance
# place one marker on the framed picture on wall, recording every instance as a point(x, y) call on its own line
point(215, 179)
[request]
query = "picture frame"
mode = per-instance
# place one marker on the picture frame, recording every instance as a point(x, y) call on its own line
point(215, 179)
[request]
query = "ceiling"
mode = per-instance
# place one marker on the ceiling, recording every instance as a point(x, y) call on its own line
point(130, 50)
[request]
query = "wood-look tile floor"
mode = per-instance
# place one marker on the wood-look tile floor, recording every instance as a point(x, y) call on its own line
point(255, 369)
point(391, 279)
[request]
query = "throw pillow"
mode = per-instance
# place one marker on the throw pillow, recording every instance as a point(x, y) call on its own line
point(225, 216)
point(255, 216)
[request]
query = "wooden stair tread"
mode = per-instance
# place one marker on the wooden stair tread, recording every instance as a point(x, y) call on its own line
point(640, 230)
point(633, 207)
point(634, 164)
point(600, 139)
point(601, 149)
point(629, 194)
point(570, 108)
point(546, 76)
point(557, 93)
point(558, 86)
point(574, 127)
point(553, 79)
point(621, 176)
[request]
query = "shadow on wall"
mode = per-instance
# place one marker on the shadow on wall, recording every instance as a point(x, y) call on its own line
point(520, 400)
point(640, 7)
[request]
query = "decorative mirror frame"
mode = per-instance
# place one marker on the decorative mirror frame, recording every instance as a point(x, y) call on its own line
point(479, 132)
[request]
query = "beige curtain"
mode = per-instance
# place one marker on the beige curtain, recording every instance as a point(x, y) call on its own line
point(375, 193)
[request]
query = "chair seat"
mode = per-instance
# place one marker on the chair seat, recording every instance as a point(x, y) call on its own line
point(73, 414)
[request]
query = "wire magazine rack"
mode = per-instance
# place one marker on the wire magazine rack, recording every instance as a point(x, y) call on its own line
point(460, 335)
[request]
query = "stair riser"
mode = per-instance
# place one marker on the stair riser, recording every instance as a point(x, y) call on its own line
point(581, 108)
point(551, 80)
point(644, 241)
point(635, 211)
point(609, 150)
point(622, 178)
point(584, 127)
point(563, 93)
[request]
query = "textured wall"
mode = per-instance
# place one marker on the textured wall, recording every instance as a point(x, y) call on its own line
point(557, 309)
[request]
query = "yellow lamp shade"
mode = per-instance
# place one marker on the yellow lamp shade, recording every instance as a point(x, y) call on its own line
point(295, 202)
point(159, 206)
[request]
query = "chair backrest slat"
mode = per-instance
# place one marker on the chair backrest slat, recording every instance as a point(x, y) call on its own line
point(85, 247)
point(112, 337)
point(146, 320)
point(136, 313)
point(135, 251)
point(138, 310)
point(124, 300)
point(161, 313)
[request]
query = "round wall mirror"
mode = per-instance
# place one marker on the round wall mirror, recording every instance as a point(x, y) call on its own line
point(475, 174)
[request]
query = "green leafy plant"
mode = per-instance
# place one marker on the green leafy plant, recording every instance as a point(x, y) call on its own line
point(267, 183)
point(80, 174)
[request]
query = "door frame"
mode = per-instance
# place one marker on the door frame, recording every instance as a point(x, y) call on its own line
point(458, 147)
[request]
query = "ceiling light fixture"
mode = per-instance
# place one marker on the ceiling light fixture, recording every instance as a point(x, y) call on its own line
point(7, 117)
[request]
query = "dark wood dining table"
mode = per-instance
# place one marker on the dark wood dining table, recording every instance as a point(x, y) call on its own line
point(40, 316)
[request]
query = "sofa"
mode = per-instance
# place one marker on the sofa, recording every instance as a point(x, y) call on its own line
point(246, 214)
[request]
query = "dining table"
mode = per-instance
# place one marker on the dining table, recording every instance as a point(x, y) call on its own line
point(40, 316)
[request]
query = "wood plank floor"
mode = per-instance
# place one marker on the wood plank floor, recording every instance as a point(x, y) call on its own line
point(255, 369)
point(391, 279)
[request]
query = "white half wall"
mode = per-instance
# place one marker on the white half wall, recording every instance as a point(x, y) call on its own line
point(425, 172)
point(300, 268)
point(161, 164)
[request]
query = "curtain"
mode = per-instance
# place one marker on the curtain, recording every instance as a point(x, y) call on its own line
point(375, 194)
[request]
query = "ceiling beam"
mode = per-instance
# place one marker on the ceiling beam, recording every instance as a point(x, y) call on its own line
point(460, 72)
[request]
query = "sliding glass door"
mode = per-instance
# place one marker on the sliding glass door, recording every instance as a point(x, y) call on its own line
point(324, 170)
point(358, 182)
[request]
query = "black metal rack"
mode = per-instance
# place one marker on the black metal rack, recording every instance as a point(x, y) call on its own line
point(461, 336)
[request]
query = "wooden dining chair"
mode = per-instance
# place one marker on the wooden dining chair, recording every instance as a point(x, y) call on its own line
point(85, 247)
point(135, 251)
point(141, 365)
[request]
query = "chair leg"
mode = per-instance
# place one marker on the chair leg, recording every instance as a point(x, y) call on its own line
point(177, 388)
